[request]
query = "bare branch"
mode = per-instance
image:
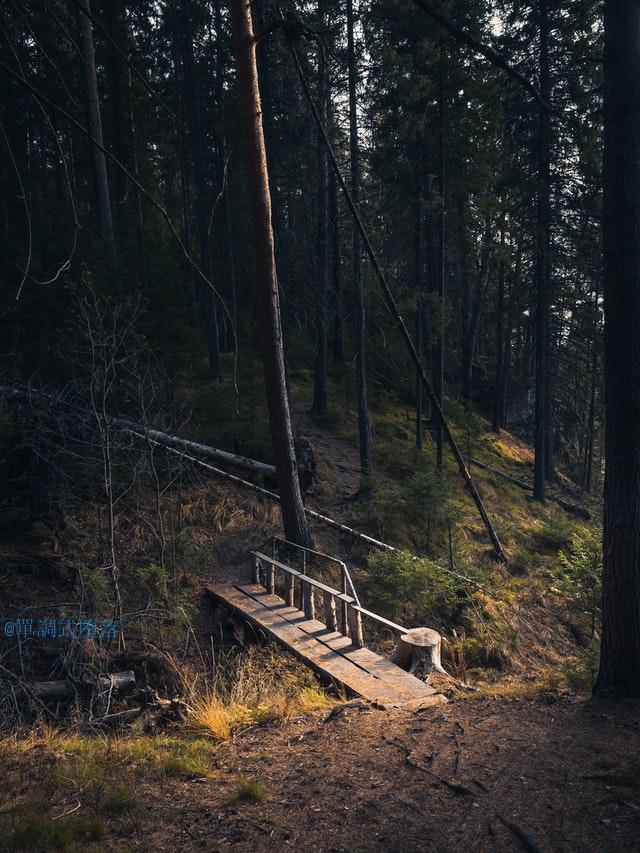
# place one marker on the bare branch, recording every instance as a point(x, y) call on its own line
point(477, 47)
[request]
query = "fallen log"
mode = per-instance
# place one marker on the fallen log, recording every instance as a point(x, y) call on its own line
point(575, 509)
point(65, 689)
point(164, 438)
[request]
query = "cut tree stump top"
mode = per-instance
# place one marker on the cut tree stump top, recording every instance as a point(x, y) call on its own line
point(332, 655)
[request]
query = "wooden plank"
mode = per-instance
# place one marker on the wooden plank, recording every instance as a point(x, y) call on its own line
point(404, 683)
point(388, 672)
point(315, 654)
point(330, 653)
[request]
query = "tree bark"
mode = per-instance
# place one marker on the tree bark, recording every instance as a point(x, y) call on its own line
point(336, 270)
point(619, 674)
point(364, 421)
point(479, 295)
point(319, 404)
point(193, 106)
point(438, 347)
point(419, 296)
point(118, 35)
point(293, 515)
point(542, 399)
point(498, 400)
point(98, 160)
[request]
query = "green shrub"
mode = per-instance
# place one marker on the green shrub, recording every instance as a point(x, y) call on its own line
point(35, 831)
point(581, 568)
point(556, 530)
point(156, 578)
point(399, 585)
point(95, 584)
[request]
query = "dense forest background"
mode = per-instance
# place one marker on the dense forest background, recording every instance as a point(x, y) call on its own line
point(396, 336)
point(483, 227)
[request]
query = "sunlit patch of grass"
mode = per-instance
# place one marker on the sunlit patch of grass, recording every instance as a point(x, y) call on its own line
point(248, 791)
point(34, 830)
point(218, 718)
point(187, 758)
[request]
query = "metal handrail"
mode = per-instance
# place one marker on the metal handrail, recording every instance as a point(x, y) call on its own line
point(337, 560)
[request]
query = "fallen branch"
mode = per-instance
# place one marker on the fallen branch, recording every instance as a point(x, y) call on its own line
point(466, 38)
point(523, 836)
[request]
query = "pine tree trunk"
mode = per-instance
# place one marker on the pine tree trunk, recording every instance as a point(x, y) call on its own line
point(206, 298)
point(98, 160)
point(619, 674)
point(542, 403)
point(498, 401)
point(419, 295)
point(438, 348)
point(119, 106)
point(319, 405)
point(364, 423)
point(293, 515)
point(336, 270)
point(225, 241)
point(482, 280)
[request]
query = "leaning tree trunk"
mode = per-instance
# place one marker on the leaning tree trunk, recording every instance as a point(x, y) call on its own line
point(364, 421)
point(619, 674)
point(542, 401)
point(98, 160)
point(293, 515)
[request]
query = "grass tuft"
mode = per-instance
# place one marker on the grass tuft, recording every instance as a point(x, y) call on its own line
point(248, 791)
point(121, 800)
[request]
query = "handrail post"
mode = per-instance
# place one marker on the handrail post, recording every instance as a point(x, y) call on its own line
point(355, 623)
point(271, 579)
point(309, 601)
point(330, 618)
point(344, 618)
point(289, 589)
point(255, 574)
point(301, 603)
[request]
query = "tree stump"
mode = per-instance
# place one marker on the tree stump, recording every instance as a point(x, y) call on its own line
point(416, 646)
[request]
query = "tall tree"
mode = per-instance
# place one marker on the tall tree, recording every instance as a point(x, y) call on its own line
point(319, 405)
point(619, 674)
point(98, 159)
point(364, 421)
point(192, 99)
point(542, 389)
point(438, 346)
point(293, 515)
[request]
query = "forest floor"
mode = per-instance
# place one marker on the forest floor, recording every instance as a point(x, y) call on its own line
point(527, 762)
point(502, 773)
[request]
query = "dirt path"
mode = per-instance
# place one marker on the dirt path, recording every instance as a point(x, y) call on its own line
point(338, 459)
point(562, 773)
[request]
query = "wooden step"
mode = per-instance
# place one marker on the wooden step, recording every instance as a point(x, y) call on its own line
point(358, 671)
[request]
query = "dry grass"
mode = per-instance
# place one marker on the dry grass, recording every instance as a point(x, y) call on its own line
point(254, 687)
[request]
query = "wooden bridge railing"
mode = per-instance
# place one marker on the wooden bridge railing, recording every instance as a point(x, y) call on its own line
point(342, 609)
